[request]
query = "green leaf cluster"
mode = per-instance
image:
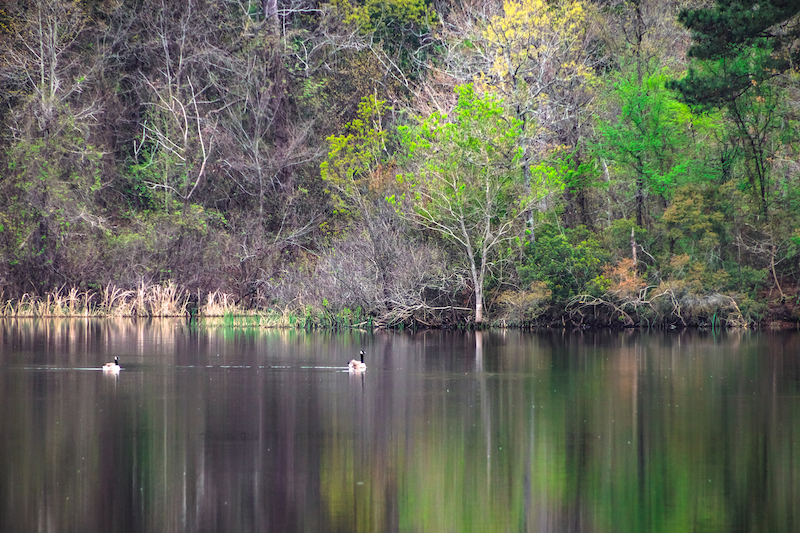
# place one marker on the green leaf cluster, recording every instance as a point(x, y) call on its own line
point(387, 16)
point(355, 157)
point(566, 260)
point(650, 134)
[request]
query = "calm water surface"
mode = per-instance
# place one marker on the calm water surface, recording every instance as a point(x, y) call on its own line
point(233, 430)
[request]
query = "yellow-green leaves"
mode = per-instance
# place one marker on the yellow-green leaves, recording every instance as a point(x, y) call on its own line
point(534, 39)
point(377, 15)
point(355, 159)
point(538, 55)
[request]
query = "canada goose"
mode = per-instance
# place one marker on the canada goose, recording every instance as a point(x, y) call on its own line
point(356, 365)
point(112, 368)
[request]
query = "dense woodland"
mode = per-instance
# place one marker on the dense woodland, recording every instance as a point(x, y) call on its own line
point(427, 162)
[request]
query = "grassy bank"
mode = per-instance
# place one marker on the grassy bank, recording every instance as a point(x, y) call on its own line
point(169, 300)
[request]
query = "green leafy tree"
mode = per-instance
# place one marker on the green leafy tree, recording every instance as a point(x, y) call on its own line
point(739, 47)
point(742, 44)
point(649, 137)
point(464, 183)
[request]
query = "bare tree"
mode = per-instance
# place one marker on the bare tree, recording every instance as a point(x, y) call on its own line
point(44, 61)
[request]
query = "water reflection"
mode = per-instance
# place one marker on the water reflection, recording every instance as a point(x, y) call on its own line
point(236, 430)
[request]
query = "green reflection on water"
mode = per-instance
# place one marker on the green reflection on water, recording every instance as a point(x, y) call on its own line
point(223, 429)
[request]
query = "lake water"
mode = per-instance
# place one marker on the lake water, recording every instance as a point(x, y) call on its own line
point(213, 429)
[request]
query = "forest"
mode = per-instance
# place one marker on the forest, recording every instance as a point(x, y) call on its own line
point(404, 163)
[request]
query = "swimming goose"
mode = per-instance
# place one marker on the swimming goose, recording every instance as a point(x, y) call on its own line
point(112, 368)
point(357, 366)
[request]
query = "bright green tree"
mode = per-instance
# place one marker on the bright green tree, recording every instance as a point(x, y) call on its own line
point(649, 137)
point(463, 181)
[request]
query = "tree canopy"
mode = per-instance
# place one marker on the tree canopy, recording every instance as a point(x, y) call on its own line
point(247, 149)
point(743, 42)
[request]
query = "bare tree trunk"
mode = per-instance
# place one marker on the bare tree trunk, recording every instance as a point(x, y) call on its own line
point(773, 251)
point(477, 279)
point(270, 8)
point(526, 172)
point(640, 195)
point(478, 304)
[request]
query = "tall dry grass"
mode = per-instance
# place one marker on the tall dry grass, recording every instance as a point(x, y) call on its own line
point(166, 300)
point(58, 302)
point(146, 300)
point(169, 300)
point(116, 301)
point(220, 304)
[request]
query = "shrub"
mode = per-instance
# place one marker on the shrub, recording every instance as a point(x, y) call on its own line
point(564, 261)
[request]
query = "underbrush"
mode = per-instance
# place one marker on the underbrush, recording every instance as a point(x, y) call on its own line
point(620, 298)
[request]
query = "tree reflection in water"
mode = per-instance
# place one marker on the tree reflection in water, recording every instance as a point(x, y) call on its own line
point(235, 430)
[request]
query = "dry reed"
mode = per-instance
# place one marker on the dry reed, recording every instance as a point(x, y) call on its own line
point(116, 301)
point(164, 300)
point(147, 300)
point(220, 304)
point(167, 300)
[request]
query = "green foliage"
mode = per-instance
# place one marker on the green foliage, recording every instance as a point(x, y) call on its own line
point(739, 46)
point(742, 44)
point(141, 175)
point(397, 22)
point(159, 178)
point(565, 260)
point(699, 277)
point(744, 279)
point(467, 172)
point(694, 225)
point(356, 159)
point(254, 10)
point(618, 238)
point(558, 172)
point(402, 26)
point(465, 182)
point(650, 134)
point(205, 166)
point(753, 141)
point(574, 173)
point(49, 194)
point(389, 19)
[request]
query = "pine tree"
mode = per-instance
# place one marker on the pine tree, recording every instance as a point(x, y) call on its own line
point(741, 43)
